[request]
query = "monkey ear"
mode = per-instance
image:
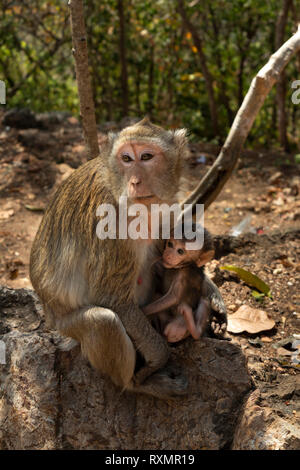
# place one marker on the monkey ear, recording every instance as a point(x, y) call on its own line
point(144, 122)
point(205, 258)
point(180, 137)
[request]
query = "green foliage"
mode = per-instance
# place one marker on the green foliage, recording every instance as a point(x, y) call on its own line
point(164, 73)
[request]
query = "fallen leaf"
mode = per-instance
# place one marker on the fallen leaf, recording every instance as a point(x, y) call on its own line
point(279, 201)
point(34, 208)
point(6, 214)
point(275, 177)
point(266, 339)
point(287, 263)
point(283, 342)
point(283, 352)
point(250, 320)
point(250, 279)
point(257, 295)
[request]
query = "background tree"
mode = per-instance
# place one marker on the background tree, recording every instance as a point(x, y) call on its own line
point(157, 68)
point(80, 52)
point(281, 84)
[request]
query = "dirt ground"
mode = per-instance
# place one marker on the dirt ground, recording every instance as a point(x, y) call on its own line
point(265, 186)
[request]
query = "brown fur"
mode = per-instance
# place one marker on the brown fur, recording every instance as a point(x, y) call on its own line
point(182, 309)
point(88, 286)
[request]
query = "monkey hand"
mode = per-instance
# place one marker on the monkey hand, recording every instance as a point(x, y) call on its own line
point(141, 375)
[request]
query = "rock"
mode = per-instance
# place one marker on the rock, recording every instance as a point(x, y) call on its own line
point(22, 118)
point(269, 419)
point(19, 309)
point(51, 398)
point(37, 139)
point(53, 118)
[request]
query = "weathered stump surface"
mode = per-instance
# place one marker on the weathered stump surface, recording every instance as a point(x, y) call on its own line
point(266, 420)
point(53, 399)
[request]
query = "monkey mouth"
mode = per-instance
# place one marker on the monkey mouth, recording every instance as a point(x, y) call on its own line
point(147, 199)
point(167, 265)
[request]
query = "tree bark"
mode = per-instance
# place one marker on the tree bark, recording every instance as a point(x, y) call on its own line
point(212, 183)
point(122, 46)
point(281, 84)
point(80, 52)
point(203, 64)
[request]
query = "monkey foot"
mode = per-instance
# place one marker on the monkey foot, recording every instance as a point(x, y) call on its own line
point(218, 327)
point(167, 383)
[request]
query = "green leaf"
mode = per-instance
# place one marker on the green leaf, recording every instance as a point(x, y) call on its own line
point(257, 295)
point(297, 158)
point(250, 279)
point(34, 208)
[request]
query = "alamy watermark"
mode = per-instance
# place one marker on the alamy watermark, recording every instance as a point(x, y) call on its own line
point(296, 94)
point(2, 92)
point(136, 221)
point(2, 352)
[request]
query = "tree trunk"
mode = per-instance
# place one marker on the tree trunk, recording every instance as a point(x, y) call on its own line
point(281, 84)
point(214, 180)
point(124, 73)
point(203, 64)
point(80, 52)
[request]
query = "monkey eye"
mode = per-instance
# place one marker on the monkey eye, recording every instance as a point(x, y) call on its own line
point(147, 156)
point(126, 158)
point(170, 244)
point(180, 251)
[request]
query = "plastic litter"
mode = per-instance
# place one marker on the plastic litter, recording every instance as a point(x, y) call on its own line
point(242, 227)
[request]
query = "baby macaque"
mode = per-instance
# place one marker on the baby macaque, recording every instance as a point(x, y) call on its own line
point(183, 309)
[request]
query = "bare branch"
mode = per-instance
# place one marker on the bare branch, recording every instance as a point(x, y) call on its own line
point(212, 183)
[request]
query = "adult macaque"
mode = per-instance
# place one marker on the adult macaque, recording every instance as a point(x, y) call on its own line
point(182, 288)
point(88, 286)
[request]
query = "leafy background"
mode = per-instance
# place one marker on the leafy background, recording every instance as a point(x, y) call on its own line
point(164, 77)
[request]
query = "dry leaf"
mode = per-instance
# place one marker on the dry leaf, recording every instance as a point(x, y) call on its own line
point(249, 319)
point(266, 339)
point(283, 352)
point(6, 214)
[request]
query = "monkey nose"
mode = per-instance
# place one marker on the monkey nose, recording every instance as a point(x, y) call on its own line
point(135, 181)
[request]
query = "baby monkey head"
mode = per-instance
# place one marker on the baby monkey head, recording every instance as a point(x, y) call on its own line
point(176, 255)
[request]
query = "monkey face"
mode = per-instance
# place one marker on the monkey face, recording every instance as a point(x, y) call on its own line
point(145, 162)
point(144, 168)
point(176, 256)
